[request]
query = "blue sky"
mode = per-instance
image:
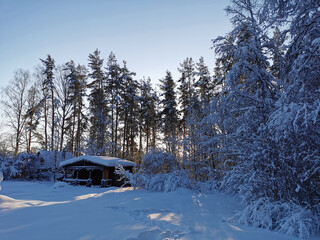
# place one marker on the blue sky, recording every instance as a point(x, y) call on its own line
point(152, 36)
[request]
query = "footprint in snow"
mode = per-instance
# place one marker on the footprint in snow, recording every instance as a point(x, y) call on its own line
point(158, 234)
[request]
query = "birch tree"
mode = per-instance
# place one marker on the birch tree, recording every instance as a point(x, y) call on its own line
point(15, 106)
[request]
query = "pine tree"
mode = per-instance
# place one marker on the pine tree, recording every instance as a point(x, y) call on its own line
point(277, 53)
point(203, 84)
point(147, 114)
point(199, 96)
point(113, 90)
point(97, 105)
point(200, 108)
point(62, 92)
point(33, 115)
point(224, 48)
point(186, 90)
point(49, 90)
point(129, 112)
point(77, 122)
point(169, 115)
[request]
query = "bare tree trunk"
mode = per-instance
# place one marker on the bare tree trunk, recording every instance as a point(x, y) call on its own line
point(112, 129)
point(124, 140)
point(52, 119)
point(131, 142)
point(147, 137)
point(45, 125)
point(62, 131)
point(78, 134)
point(16, 148)
point(29, 137)
point(154, 136)
point(140, 140)
point(72, 147)
point(116, 133)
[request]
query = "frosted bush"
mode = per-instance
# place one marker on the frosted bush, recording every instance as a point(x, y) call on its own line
point(167, 182)
point(158, 161)
point(11, 167)
point(161, 172)
point(287, 218)
point(160, 182)
point(134, 179)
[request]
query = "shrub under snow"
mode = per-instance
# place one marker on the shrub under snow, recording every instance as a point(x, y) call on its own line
point(10, 166)
point(161, 182)
point(284, 217)
point(158, 161)
point(159, 171)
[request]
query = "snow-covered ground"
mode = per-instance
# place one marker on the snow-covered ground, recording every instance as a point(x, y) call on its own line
point(42, 210)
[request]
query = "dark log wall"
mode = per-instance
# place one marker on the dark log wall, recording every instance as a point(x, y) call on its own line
point(97, 175)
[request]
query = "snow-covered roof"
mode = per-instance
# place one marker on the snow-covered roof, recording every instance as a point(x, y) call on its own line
point(100, 160)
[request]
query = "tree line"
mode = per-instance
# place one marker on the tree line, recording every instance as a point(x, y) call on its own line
point(99, 109)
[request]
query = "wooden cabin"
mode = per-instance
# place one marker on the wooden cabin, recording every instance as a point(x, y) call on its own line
point(94, 170)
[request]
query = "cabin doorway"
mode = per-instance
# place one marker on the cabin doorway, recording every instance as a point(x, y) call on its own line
point(83, 174)
point(96, 176)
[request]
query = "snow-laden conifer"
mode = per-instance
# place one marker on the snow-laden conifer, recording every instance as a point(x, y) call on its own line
point(148, 116)
point(77, 121)
point(48, 88)
point(97, 105)
point(169, 113)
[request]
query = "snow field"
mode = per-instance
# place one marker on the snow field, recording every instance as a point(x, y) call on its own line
point(44, 210)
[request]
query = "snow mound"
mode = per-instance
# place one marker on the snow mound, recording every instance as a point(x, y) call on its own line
point(60, 185)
